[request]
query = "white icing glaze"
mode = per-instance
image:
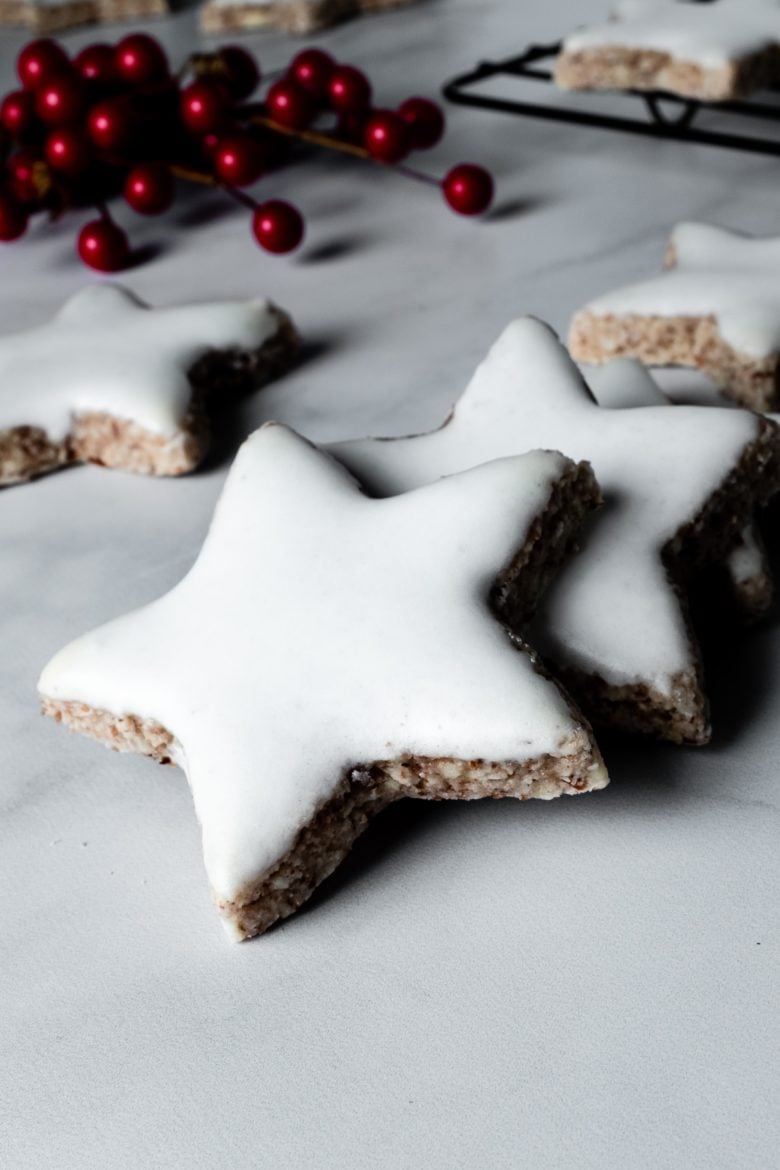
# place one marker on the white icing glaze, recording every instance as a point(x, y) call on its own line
point(107, 351)
point(626, 383)
point(710, 35)
point(612, 610)
point(719, 274)
point(320, 630)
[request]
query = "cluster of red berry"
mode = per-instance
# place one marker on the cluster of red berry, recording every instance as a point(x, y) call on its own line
point(114, 120)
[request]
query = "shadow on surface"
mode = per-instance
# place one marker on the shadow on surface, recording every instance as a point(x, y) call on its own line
point(229, 426)
point(511, 208)
point(334, 249)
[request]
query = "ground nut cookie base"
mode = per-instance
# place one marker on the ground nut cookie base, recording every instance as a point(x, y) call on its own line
point(302, 18)
point(678, 341)
point(323, 843)
point(624, 68)
point(98, 437)
point(43, 18)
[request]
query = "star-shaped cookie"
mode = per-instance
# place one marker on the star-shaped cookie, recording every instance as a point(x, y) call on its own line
point(679, 487)
point(48, 16)
point(111, 381)
point(290, 16)
point(624, 384)
point(329, 653)
point(709, 52)
point(716, 308)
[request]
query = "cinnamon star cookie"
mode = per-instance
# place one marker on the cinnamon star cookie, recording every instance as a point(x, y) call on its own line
point(680, 486)
point(48, 16)
point(716, 308)
point(709, 52)
point(329, 653)
point(290, 16)
point(114, 382)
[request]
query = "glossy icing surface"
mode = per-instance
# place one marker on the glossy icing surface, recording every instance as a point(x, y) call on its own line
point(320, 630)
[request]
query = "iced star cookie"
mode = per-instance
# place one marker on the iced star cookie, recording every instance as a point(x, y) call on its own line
point(111, 381)
point(716, 308)
point(623, 384)
point(290, 16)
point(679, 487)
point(47, 16)
point(709, 52)
point(329, 653)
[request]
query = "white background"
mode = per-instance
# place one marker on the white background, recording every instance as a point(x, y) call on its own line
point(580, 984)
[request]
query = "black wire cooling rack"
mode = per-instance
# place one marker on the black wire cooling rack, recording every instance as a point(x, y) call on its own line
point(662, 115)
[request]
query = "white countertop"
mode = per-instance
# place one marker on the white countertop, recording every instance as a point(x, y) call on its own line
point(580, 984)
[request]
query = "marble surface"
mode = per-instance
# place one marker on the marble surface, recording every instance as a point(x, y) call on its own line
point(580, 984)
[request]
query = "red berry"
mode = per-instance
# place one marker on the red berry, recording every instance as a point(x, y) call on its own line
point(311, 69)
point(113, 125)
point(424, 120)
point(277, 226)
point(289, 105)
point(240, 160)
point(17, 113)
point(13, 218)
point(386, 136)
point(349, 90)
point(140, 59)
point(69, 151)
point(468, 189)
point(204, 106)
point(28, 175)
point(103, 245)
point(97, 64)
point(149, 188)
point(242, 74)
point(61, 99)
point(40, 60)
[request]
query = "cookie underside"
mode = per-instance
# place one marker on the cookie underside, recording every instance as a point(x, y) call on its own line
point(620, 67)
point(694, 342)
point(681, 715)
point(98, 437)
point(323, 842)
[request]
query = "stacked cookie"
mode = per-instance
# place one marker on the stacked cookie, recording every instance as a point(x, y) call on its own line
point(388, 618)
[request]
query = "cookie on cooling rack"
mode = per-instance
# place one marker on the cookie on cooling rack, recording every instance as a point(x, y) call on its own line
point(708, 52)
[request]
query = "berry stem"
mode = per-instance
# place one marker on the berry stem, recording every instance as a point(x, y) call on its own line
point(207, 180)
point(328, 142)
